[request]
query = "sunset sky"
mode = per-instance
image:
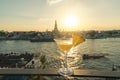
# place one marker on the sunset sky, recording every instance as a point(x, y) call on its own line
point(40, 15)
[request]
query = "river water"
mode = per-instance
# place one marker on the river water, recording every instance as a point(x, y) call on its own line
point(110, 46)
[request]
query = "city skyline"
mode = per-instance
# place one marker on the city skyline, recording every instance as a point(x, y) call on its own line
point(40, 15)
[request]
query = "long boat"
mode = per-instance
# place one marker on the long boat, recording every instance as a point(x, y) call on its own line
point(42, 40)
point(94, 56)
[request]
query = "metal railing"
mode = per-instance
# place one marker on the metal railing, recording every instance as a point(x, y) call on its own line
point(54, 72)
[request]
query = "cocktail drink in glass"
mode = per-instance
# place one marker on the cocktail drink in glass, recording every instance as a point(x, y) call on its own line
point(65, 44)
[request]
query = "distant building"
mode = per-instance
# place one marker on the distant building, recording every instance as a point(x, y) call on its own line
point(55, 31)
point(55, 27)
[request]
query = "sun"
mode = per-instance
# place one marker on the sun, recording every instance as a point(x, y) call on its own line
point(71, 21)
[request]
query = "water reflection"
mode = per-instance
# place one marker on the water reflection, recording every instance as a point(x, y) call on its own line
point(110, 46)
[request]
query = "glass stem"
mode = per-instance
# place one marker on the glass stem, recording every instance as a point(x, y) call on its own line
point(66, 66)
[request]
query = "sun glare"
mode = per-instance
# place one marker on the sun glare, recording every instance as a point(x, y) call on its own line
point(71, 21)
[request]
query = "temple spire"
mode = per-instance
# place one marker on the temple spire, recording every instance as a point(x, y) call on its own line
point(55, 27)
point(56, 31)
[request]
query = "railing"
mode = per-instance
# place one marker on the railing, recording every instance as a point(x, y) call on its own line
point(53, 72)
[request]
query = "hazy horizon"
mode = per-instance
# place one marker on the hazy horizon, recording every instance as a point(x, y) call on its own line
point(40, 15)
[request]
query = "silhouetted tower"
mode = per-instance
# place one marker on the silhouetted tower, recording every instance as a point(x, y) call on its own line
point(56, 31)
point(55, 27)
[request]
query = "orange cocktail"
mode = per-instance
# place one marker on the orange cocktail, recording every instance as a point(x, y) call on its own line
point(65, 44)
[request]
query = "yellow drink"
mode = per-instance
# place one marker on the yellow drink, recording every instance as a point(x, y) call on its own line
point(64, 44)
point(65, 47)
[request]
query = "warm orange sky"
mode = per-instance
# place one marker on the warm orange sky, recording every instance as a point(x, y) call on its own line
point(40, 15)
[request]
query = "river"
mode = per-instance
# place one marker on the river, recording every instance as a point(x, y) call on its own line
point(110, 46)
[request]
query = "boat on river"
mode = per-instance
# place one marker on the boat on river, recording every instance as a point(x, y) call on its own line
point(94, 56)
point(89, 56)
point(42, 40)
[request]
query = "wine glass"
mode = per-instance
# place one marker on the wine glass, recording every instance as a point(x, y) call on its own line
point(65, 44)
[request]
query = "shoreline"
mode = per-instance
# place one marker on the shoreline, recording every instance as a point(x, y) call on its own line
point(14, 60)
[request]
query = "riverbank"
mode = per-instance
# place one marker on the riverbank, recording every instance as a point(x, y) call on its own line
point(14, 60)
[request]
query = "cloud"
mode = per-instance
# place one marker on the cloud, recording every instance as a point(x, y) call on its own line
point(53, 1)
